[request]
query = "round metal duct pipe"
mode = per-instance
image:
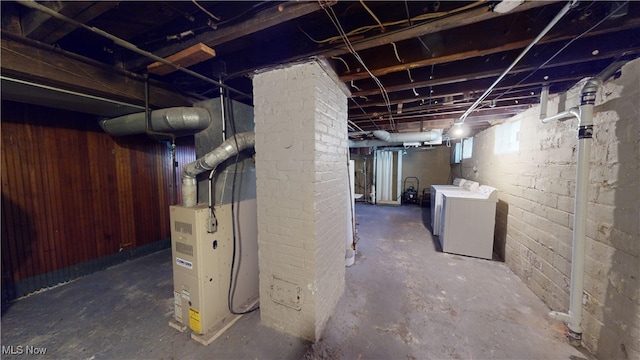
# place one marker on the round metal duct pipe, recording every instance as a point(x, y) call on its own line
point(178, 119)
point(211, 160)
point(406, 137)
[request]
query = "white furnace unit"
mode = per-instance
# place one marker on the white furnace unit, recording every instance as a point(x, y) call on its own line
point(202, 265)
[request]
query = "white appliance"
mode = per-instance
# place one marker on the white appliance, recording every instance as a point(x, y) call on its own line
point(436, 199)
point(468, 220)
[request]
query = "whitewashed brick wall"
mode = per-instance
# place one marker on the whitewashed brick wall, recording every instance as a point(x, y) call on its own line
point(302, 183)
point(537, 185)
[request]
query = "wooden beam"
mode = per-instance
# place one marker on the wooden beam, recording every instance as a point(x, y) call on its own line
point(91, 12)
point(185, 58)
point(458, 20)
point(455, 55)
point(42, 27)
point(44, 65)
point(272, 16)
point(462, 77)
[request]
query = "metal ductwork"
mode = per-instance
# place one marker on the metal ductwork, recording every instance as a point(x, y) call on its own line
point(181, 120)
point(230, 147)
point(385, 138)
point(406, 137)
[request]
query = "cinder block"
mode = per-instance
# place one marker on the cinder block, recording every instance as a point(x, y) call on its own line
point(538, 183)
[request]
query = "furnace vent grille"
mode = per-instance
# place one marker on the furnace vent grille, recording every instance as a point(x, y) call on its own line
point(183, 227)
point(184, 248)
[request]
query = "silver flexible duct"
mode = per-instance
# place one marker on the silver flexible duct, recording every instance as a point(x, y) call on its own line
point(406, 137)
point(170, 120)
point(230, 147)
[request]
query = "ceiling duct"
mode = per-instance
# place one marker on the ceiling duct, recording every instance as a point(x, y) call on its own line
point(385, 138)
point(426, 136)
point(179, 120)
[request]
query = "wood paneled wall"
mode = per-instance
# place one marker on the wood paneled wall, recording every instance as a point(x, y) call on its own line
point(72, 194)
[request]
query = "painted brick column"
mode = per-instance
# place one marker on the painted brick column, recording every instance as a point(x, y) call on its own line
point(302, 183)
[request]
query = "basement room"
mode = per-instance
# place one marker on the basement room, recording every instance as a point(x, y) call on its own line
point(320, 179)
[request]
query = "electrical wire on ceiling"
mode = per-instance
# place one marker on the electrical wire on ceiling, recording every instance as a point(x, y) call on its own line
point(419, 18)
point(127, 45)
point(372, 15)
point(343, 61)
point(508, 91)
point(205, 10)
point(406, 7)
point(336, 22)
point(395, 51)
point(355, 125)
point(544, 31)
point(210, 24)
point(409, 73)
point(364, 112)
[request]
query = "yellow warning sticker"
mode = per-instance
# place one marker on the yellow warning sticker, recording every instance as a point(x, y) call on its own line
point(194, 320)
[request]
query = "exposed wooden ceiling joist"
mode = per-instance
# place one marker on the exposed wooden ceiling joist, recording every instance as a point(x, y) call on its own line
point(434, 58)
point(40, 64)
point(42, 27)
point(265, 19)
point(456, 52)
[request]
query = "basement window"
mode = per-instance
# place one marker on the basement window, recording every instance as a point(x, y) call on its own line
point(507, 138)
point(467, 148)
point(463, 150)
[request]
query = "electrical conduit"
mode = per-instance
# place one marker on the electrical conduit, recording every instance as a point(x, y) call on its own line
point(482, 97)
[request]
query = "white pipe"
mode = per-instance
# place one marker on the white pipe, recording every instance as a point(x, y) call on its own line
point(209, 161)
point(585, 135)
point(565, 115)
point(562, 12)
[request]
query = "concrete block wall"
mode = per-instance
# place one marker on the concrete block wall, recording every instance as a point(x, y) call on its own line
point(536, 192)
point(302, 183)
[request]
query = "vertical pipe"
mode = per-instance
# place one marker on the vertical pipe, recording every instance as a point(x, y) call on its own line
point(364, 168)
point(585, 134)
point(544, 98)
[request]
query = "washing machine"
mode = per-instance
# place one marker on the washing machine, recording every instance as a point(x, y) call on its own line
point(468, 220)
point(436, 199)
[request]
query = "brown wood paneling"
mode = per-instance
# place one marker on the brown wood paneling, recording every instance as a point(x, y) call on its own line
point(71, 193)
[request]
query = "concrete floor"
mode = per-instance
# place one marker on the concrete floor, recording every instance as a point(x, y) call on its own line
point(403, 300)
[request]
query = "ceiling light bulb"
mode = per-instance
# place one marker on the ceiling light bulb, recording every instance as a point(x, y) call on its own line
point(457, 131)
point(506, 5)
